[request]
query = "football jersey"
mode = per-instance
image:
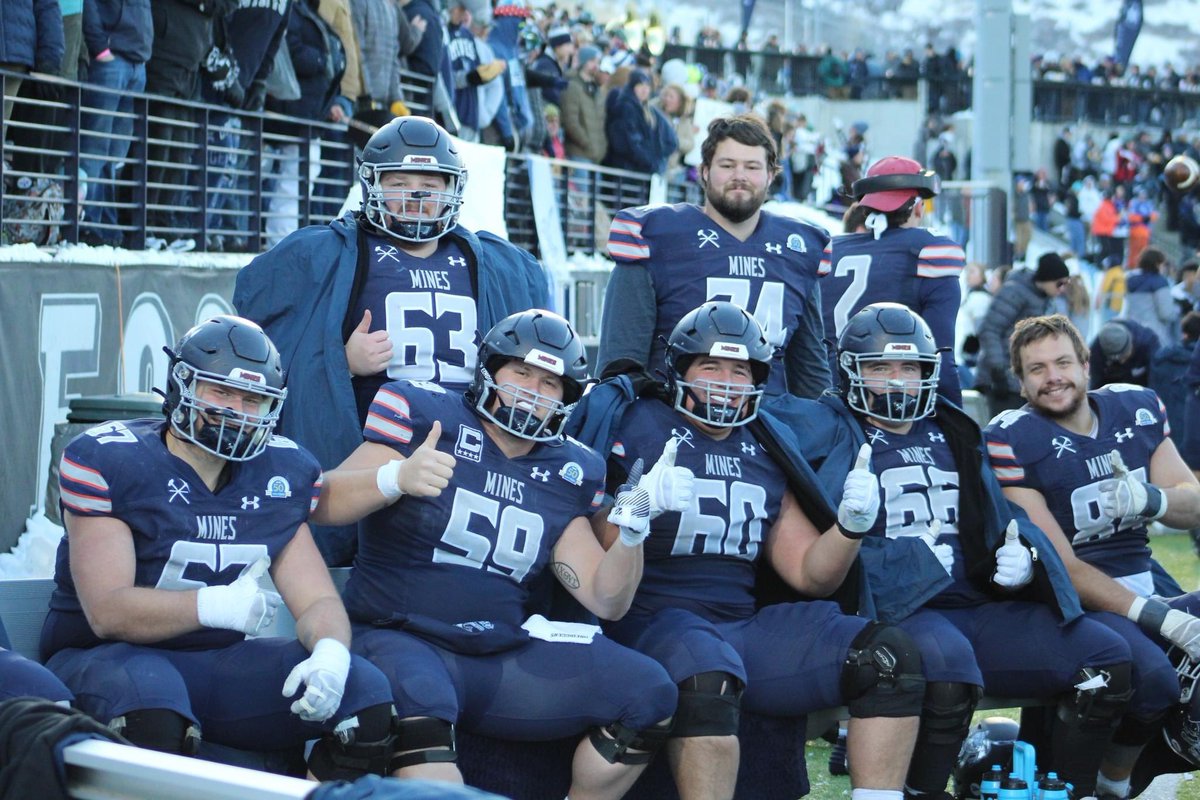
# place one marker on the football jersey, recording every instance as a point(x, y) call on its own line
point(185, 536)
point(691, 260)
point(911, 266)
point(919, 482)
point(1030, 450)
point(427, 306)
point(703, 559)
point(469, 554)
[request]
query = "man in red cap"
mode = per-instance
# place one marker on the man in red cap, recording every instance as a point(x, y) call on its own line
point(896, 260)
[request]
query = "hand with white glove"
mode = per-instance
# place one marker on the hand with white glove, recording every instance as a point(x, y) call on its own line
point(1125, 496)
point(239, 606)
point(324, 674)
point(943, 552)
point(669, 487)
point(1014, 561)
point(425, 473)
point(1179, 628)
point(860, 497)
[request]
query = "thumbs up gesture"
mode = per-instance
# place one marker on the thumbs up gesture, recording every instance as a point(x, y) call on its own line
point(425, 473)
point(1124, 495)
point(668, 486)
point(860, 497)
point(1014, 561)
point(943, 552)
point(368, 352)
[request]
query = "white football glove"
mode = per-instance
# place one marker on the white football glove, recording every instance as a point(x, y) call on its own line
point(943, 552)
point(324, 674)
point(1179, 628)
point(669, 487)
point(1125, 496)
point(240, 606)
point(1014, 561)
point(860, 497)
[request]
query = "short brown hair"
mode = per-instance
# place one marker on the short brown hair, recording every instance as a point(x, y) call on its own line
point(1034, 329)
point(748, 129)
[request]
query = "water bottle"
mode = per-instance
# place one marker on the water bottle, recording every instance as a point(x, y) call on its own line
point(1013, 788)
point(1052, 788)
point(989, 785)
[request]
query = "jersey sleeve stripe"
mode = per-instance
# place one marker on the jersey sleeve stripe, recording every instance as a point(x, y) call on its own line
point(388, 429)
point(826, 262)
point(85, 476)
point(926, 270)
point(84, 503)
point(318, 484)
point(392, 401)
point(626, 226)
point(1009, 474)
point(628, 251)
point(1001, 450)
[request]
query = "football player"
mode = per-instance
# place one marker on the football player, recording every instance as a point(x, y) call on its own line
point(1093, 469)
point(398, 291)
point(694, 611)
point(945, 561)
point(475, 495)
point(670, 259)
point(171, 524)
point(896, 259)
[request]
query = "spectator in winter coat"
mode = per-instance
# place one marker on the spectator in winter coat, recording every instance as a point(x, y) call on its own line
point(33, 39)
point(1121, 353)
point(640, 138)
point(1148, 296)
point(584, 131)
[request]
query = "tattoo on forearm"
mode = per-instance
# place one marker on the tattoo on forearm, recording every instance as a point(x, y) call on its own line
point(565, 574)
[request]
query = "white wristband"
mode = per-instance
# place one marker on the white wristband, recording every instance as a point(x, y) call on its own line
point(387, 479)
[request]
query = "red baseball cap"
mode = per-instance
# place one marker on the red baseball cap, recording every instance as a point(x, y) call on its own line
point(891, 199)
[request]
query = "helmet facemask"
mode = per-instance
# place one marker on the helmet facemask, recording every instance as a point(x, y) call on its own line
point(724, 404)
point(519, 416)
point(224, 432)
point(894, 401)
point(412, 226)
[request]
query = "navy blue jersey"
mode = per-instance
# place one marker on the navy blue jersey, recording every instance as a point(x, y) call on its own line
point(911, 266)
point(1030, 450)
point(185, 536)
point(702, 560)
point(692, 260)
point(469, 554)
point(427, 306)
point(919, 482)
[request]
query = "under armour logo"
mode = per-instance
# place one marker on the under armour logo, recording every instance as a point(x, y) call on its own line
point(456, 261)
point(250, 502)
point(1062, 444)
point(1125, 434)
point(934, 436)
point(387, 252)
point(684, 436)
point(542, 475)
point(876, 436)
point(707, 237)
point(774, 248)
point(749, 449)
point(179, 489)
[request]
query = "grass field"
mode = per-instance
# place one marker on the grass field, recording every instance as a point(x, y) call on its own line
point(1174, 552)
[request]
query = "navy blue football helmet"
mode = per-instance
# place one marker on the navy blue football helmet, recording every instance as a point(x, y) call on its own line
point(888, 332)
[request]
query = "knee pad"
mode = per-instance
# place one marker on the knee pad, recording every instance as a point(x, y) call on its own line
point(709, 705)
point(360, 745)
point(1100, 697)
point(423, 740)
point(1136, 731)
point(159, 729)
point(946, 713)
point(881, 676)
point(613, 742)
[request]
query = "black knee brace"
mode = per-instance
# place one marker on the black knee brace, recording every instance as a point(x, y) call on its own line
point(945, 720)
point(159, 729)
point(613, 742)
point(1102, 706)
point(709, 705)
point(361, 745)
point(423, 740)
point(1135, 731)
point(881, 676)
